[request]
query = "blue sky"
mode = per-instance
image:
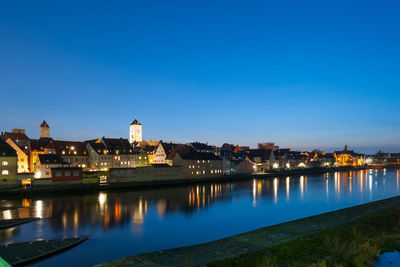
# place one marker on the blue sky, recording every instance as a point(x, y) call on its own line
point(303, 74)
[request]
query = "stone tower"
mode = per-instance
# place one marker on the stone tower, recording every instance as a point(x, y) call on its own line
point(44, 131)
point(135, 132)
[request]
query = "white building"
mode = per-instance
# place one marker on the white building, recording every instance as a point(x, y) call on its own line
point(135, 132)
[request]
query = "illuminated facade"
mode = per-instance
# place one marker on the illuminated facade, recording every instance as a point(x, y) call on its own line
point(105, 153)
point(8, 165)
point(196, 164)
point(46, 163)
point(72, 152)
point(135, 132)
point(262, 159)
point(23, 158)
point(349, 158)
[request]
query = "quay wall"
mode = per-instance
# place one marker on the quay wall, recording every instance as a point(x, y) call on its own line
point(149, 177)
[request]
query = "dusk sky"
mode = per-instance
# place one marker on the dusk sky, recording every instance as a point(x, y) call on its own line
point(302, 74)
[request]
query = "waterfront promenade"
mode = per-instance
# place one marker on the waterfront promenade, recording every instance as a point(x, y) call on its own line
point(40, 190)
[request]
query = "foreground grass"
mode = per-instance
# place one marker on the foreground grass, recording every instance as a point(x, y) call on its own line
point(352, 244)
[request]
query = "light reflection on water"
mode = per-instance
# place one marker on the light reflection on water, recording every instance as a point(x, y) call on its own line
point(130, 222)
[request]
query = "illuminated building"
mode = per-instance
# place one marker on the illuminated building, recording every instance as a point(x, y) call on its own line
point(105, 153)
point(160, 154)
point(72, 152)
point(348, 158)
point(196, 164)
point(262, 159)
point(20, 143)
point(45, 163)
point(8, 165)
point(135, 132)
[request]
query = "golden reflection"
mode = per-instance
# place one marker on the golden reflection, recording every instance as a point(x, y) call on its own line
point(117, 212)
point(254, 192)
point(162, 207)
point(275, 190)
point(102, 198)
point(302, 187)
point(39, 209)
point(351, 183)
point(26, 202)
point(7, 215)
point(336, 179)
point(397, 180)
point(259, 188)
point(288, 188)
point(139, 212)
point(64, 221)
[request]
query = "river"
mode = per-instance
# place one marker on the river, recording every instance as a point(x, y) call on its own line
point(122, 223)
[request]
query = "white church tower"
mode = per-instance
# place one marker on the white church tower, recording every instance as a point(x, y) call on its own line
point(135, 132)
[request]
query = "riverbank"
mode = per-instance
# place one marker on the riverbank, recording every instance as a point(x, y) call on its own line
point(375, 225)
point(76, 188)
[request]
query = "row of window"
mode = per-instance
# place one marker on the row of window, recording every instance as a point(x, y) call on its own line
point(4, 172)
point(204, 172)
point(198, 166)
point(75, 174)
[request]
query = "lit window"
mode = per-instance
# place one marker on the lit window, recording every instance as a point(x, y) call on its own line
point(4, 163)
point(212, 171)
point(190, 167)
point(67, 173)
point(4, 172)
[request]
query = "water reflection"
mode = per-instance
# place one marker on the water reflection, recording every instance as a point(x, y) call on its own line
point(193, 214)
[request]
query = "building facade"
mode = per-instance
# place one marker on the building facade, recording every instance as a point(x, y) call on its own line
point(196, 164)
point(8, 165)
point(135, 132)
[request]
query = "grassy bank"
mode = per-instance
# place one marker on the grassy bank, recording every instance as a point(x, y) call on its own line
point(355, 243)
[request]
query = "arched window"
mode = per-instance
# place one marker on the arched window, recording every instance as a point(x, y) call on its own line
point(4, 163)
point(4, 172)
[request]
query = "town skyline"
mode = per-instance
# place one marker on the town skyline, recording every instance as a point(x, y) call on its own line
point(34, 133)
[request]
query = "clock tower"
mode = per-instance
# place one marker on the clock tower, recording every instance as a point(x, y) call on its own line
point(135, 132)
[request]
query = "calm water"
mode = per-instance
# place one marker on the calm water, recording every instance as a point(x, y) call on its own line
point(125, 223)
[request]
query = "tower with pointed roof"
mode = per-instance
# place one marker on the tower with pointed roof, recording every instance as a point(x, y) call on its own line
point(44, 131)
point(135, 132)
